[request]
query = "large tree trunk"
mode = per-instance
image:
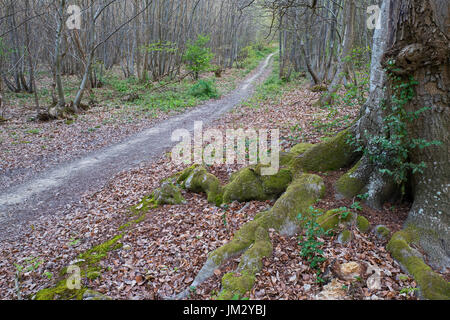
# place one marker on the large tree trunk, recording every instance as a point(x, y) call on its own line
point(414, 34)
point(426, 25)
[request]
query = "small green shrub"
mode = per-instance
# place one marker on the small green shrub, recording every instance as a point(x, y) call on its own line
point(204, 89)
point(198, 57)
point(311, 246)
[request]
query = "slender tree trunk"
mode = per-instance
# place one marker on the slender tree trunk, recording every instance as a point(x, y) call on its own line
point(347, 48)
point(58, 57)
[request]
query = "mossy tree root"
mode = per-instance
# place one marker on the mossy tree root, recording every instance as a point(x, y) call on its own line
point(197, 179)
point(331, 155)
point(432, 285)
point(241, 281)
point(365, 178)
point(301, 190)
point(88, 262)
point(252, 240)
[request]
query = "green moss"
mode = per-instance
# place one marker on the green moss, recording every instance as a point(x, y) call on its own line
point(253, 237)
point(331, 155)
point(241, 241)
point(285, 159)
point(236, 284)
point(248, 184)
point(60, 292)
point(94, 255)
point(245, 186)
point(251, 260)
point(345, 237)
point(199, 180)
point(301, 148)
point(133, 222)
point(169, 194)
point(362, 224)
point(243, 279)
point(382, 232)
point(349, 219)
point(348, 186)
point(300, 195)
point(277, 184)
point(182, 176)
point(89, 268)
point(319, 88)
point(92, 275)
point(144, 206)
point(432, 285)
point(330, 220)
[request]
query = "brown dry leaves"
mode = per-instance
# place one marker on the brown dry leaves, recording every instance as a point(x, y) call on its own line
point(162, 254)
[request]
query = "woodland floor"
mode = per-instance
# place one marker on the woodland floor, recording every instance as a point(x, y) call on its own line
point(162, 254)
point(59, 188)
point(29, 147)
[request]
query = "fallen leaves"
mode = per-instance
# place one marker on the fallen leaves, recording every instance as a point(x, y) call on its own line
point(161, 255)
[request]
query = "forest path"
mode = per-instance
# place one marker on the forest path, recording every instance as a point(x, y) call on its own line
point(51, 191)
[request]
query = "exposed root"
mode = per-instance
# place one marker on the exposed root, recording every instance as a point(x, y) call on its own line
point(302, 190)
point(169, 194)
point(432, 285)
point(334, 154)
point(88, 263)
point(354, 181)
point(242, 280)
point(248, 184)
point(365, 178)
point(252, 239)
point(197, 179)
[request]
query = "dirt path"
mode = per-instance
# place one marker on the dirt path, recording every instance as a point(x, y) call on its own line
point(49, 192)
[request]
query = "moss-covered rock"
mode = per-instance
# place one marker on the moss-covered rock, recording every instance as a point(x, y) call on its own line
point(169, 194)
point(382, 232)
point(331, 155)
point(363, 224)
point(345, 237)
point(330, 220)
point(432, 285)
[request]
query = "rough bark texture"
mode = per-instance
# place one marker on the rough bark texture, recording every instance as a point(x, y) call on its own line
point(422, 50)
point(415, 35)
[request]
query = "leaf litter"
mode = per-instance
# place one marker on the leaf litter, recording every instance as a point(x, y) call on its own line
point(162, 254)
